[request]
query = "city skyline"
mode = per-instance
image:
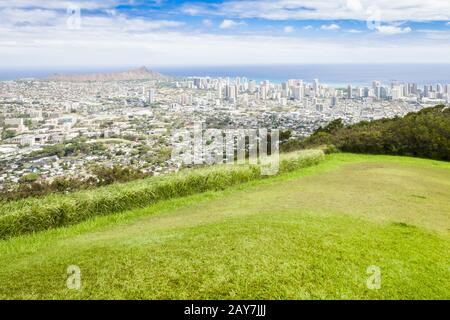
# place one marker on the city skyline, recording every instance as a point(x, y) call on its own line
point(334, 75)
point(173, 33)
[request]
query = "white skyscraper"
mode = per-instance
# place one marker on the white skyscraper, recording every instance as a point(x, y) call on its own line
point(396, 92)
point(426, 91)
point(151, 96)
point(376, 85)
point(297, 92)
point(405, 90)
point(349, 91)
point(333, 101)
point(252, 86)
point(316, 87)
point(263, 92)
point(230, 92)
point(360, 92)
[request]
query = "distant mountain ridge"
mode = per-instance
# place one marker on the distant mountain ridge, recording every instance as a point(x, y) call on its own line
point(134, 74)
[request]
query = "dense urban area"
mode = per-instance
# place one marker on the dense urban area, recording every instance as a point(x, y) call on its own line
point(63, 128)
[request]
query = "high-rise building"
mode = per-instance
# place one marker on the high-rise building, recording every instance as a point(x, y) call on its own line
point(151, 96)
point(230, 93)
point(297, 93)
point(252, 86)
point(197, 83)
point(334, 101)
point(263, 92)
point(360, 92)
point(316, 86)
point(383, 92)
point(396, 92)
point(366, 92)
point(426, 91)
point(405, 90)
point(349, 92)
point(376, 85)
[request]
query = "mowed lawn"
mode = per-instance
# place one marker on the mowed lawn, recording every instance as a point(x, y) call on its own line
point(309, 234)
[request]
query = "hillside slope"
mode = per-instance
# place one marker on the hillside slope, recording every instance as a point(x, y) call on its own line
point(307, 234)
point(424, 134)
point(134, 74)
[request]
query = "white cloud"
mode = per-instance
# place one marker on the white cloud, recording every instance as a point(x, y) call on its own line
point(448, 23)
point(20, 17)
point(329, 27)
point(354, 31)
point(142, 25)
point(207, 23)
point(38, 20)
point(84, 48)
point(105, 49)
point(414, 10)
point(391, 30)
point(61, 4)
point(289, 29)
point(39, 38)
point(354, 5)
point(227, 24)
point(439, 35)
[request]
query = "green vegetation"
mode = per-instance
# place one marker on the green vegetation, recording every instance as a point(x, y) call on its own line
point(227, 232)
point(7, 134)
point(108, 175)
point(29, 178)
point(75, 147)
point(306, 234)
point(424, 134)
point(31, 215)
point(30, 185)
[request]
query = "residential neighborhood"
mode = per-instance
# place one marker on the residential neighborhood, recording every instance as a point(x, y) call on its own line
point(54, 128)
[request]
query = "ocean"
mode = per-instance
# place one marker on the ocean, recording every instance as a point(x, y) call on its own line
point(332, 74)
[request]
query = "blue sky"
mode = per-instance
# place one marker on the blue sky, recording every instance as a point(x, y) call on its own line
point(85, 33)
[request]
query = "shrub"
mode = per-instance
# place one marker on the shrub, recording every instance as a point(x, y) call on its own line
point(331, 148)
point(424, 134)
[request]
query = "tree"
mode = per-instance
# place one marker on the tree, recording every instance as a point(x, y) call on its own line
point(332, 127)
point(29, 178)
point(7, 134)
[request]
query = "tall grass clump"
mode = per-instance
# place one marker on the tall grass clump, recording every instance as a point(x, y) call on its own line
point(37, 214)
point(300, 159)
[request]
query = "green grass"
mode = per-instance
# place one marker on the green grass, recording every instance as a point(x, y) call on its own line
point(37, 214)
point(306, 234)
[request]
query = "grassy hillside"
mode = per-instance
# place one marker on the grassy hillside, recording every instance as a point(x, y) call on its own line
point(36, 214)
point(307, 234)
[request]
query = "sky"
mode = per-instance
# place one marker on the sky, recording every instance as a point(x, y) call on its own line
point(106, 33)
